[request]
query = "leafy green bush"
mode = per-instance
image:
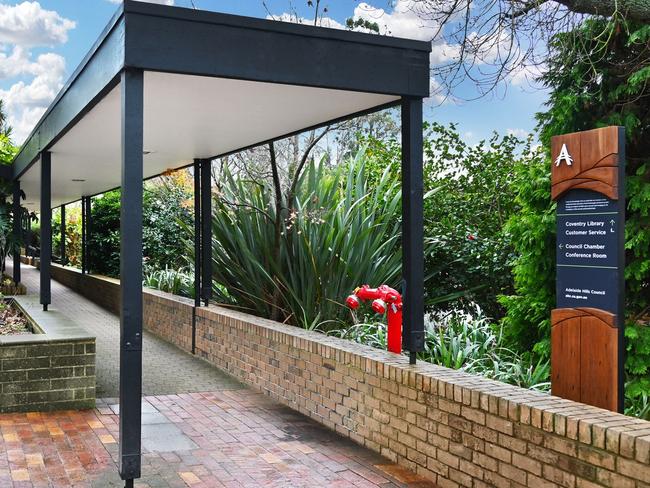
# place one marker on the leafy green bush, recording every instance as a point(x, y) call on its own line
point(459, 340)
point(473, 255)
point(179, 282)
point(166, 214)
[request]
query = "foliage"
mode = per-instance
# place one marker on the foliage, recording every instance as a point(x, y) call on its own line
point(460, 340)
point(343, 232)
point(8, 240)
point(610, 87)
point(166, 210)
point(179, 282)
point(532, 233)
point(7, 150)
point(466, 219)
point(104, 244)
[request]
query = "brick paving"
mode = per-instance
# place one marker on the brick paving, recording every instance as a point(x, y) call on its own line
point(201, 428)
point(237, 438)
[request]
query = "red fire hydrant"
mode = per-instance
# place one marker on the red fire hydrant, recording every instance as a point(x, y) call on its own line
point(385, 300)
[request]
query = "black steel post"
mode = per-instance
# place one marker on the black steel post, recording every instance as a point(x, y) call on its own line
point(46, 227)
point(206, 230)
point(197, 247)
point(131, 275)
point(83, 235)
point(89, 230)
point(64, 260)
point(17, 228)
point(412, 227)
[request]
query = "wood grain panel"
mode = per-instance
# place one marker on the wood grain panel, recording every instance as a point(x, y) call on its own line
point(584, 356)
point(598, 363)
point(565, 353)
point(595, 162)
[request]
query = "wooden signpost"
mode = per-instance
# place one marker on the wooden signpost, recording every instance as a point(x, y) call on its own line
point(588, 183)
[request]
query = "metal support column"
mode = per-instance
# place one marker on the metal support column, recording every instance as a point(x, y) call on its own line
point(84, 257)
point(17, 228)
point(206, 230)
point(89, 229)
point(412, 227)
point(64, 260)
point(46, 227)
point(197, 247)
point(131, 275)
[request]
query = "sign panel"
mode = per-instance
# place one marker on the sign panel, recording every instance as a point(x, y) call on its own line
point(588, 251)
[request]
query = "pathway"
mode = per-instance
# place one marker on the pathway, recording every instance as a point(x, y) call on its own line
point(200, 428)
point(165, 368)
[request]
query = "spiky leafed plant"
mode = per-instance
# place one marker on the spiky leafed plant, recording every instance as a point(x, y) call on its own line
point(340, 233)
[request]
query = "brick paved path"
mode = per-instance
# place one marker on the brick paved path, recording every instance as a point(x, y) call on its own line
point(235, 438)
point(225, 436)
point(165, 368)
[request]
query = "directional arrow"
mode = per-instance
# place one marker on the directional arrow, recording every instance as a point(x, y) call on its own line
point(612, 222)
point(561, 246)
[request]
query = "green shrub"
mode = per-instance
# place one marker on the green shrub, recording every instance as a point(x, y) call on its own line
point(473, 254)
point(459, 340)
point(179, 282)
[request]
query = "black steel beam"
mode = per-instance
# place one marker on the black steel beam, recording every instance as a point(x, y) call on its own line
point(64, 259)
point(206, 230)
point(412, 227)
point(275, 52)
point(132, 105)
point(17, 229)
point(46, 227)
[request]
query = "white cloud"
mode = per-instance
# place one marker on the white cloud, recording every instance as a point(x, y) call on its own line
point(37, 81)
point(160, 2)
point(520, 133)
point(324, 22)
point(28, 24)
point(14, 64)
point(26, 102)
point(526, 75)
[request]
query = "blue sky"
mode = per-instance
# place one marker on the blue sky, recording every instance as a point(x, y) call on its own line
point(42, 42)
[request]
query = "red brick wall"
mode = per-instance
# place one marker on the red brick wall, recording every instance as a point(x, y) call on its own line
point(457, 429)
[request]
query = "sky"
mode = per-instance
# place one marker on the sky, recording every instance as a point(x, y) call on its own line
point(42, 42)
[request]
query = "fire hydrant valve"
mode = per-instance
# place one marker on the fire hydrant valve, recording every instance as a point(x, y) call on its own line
point(385, 300)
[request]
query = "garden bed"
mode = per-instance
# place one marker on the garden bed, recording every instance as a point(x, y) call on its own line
point(46, 361)
point(13, 321)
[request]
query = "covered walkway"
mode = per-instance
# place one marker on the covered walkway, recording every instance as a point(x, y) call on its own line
point(200, 427)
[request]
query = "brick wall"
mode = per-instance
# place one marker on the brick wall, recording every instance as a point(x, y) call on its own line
point(58, 375)
point(456, 429)
point(166, 315)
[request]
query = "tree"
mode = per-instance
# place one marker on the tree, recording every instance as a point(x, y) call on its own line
point(484, 42)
